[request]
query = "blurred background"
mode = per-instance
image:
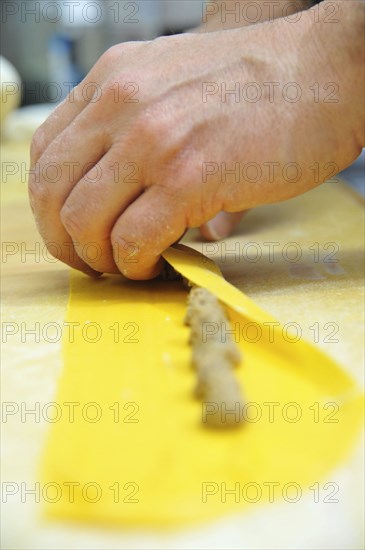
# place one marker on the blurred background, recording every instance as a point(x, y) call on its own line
point(59, 41)
point(53, 44)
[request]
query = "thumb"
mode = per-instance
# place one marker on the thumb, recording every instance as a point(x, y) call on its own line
point(221, 225)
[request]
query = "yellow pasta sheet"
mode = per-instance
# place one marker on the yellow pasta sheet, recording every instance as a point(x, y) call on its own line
point(132, 447)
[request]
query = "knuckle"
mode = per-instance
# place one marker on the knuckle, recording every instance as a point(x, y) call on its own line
point(162, 133)
point(182, 173)
point(110, 55)
point(73, 222)
point(114, 53)
point(124, 88)
point(173, 193)
point(154, 125)
point(117, 240)
point(123, 249)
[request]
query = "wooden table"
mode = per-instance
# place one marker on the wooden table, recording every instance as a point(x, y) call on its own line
point(302, 260)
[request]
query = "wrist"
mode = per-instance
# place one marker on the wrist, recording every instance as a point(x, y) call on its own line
point(233, 14)
point(336, 30)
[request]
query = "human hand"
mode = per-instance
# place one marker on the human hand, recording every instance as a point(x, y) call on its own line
point(230, 14)
point(177, 145)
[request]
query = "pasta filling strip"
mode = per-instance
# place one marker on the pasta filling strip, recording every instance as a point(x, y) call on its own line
point(135, 450)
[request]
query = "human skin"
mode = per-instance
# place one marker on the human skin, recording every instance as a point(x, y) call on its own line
point(232, 14)
point(172, 135)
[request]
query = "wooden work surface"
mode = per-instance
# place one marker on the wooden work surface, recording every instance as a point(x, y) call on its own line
point(302, 260)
